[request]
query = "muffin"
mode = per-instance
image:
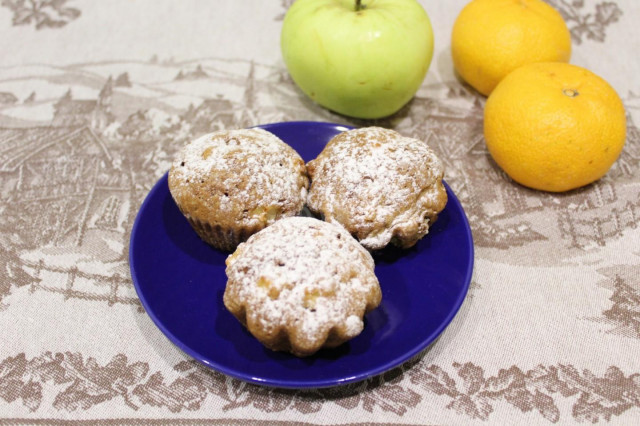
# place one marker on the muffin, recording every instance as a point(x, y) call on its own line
point(300, 285)
point(232, 183)
point(381, 186)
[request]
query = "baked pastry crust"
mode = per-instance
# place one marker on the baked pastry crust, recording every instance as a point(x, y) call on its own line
point(300, 285)
point(230, 184)
point(381, 186)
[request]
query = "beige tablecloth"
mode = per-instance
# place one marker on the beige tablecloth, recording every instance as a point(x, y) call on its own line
point(95, 98)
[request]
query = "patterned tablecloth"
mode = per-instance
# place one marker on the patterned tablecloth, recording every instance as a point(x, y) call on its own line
point(97, 96)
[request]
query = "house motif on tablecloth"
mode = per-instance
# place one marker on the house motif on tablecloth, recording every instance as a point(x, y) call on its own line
point(70, 204)
point(7, 98)
point(68, 182)
point(95, 113)
point(211, 115)
point(220, 113)
point(245, 116)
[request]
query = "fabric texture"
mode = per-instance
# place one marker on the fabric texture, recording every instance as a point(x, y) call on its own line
point(97, 97)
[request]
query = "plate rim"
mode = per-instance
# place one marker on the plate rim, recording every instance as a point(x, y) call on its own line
point(315, 384)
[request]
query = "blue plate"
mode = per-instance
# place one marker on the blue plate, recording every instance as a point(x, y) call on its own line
point(180, 281)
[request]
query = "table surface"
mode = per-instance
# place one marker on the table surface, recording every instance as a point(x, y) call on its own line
point(95, 99)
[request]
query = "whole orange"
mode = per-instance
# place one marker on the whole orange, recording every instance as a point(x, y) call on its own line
point(554, 126)
point(491, 38)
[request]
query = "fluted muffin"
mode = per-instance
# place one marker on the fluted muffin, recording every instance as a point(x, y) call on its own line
point(300, 285)
point(381, 186)
point(232, 183)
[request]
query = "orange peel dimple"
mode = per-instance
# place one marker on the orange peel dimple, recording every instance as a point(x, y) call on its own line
point(572, 93)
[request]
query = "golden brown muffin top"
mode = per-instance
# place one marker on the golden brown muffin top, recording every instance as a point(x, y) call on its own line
point(381, 186)
point(245, 177)
point(303, 280)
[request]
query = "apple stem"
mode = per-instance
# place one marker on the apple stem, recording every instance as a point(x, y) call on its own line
point(359, 5)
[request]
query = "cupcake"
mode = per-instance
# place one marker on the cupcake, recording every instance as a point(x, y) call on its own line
point(232, 183)
point(301, 285)
point(380, 186)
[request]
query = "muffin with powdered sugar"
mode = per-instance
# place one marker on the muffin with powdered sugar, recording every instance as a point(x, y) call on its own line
point(232, 183)
point(381, 186)
point(301, 285)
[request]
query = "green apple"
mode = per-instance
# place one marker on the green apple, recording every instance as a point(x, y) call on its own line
point(363, 59)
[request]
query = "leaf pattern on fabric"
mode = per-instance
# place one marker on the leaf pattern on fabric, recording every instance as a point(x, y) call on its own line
point(41, 13)
point(624, 311)
point(71, 382)
point(626, 307)
point(587, 25)
point(475, 396)
point(176, 396)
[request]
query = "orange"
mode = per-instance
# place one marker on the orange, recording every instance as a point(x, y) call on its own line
point(554, 126)
point(491, 38)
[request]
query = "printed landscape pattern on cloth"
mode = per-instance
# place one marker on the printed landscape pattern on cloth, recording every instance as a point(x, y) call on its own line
point(82, 144)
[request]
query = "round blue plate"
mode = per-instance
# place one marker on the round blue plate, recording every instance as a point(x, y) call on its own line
point(180, 281)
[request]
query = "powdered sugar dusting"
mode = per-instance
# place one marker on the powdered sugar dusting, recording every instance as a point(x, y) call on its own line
point(304, 276)
point(381, 186)
point(245, 176)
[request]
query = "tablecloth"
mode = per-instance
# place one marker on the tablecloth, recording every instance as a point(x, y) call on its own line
point(97, 96)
